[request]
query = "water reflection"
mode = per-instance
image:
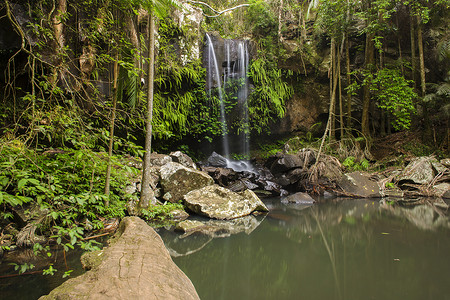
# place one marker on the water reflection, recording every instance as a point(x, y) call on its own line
point(193, 241)
point(33, 284)
point(353, 249)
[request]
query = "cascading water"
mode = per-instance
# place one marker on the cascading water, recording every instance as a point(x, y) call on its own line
point(214, 75)
point(242, 98)
point(227, 68)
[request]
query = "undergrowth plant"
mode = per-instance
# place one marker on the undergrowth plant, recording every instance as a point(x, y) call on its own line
point(66, 184)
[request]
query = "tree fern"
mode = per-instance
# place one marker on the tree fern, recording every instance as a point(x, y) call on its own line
point(269, 95)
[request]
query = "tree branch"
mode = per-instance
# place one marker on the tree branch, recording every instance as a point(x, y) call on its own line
point(218, 13)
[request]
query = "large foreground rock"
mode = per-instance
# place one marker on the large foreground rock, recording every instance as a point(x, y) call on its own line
point(220, 203)
point(135, 266)
point(178, 180)
point(421, 170)
point(359, 184)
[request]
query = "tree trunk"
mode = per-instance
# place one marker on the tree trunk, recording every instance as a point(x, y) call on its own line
point(280, 12)
point(333, 85)
point(349, 82)
point(421, 58)
point(369, 59)
point(426, 118)
point(111, 128)
point(399, 47)
point(58, 23)
point(341, 109)
point(413, 51)
point(58, 28)
point(147, 195)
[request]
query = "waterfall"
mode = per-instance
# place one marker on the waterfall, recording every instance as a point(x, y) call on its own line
point(242, 97)
point(214, 77)
point(227, 68)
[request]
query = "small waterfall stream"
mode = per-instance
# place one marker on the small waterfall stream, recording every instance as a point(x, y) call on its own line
point(213, 76)
point(227, 68)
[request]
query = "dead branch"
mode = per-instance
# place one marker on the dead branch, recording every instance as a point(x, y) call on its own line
point(218, 13)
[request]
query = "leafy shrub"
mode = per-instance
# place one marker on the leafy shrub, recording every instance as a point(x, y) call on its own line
point(395, 95)
point(352, 165)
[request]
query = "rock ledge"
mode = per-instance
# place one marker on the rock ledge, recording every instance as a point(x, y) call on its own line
point(136, 266)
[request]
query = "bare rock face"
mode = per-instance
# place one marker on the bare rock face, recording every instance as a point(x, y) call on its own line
point(220, 203)
point(359, 184)
point(177, 181)
point(136, 266)
point(421, 170)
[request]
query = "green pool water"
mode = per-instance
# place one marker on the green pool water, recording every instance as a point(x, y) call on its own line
point(353, 249)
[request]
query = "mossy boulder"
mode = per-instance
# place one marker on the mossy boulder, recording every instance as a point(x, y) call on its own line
point(220, 203)
point(178, 180)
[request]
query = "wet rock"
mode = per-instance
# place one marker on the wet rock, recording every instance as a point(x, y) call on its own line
point(237, 186)
point(296, 175)
point(248, 184)
point(359, 184)
point(177, 181)
point(219, 203)
point(216, 160)
point(283, 180)
point(299, 198)
point(135, 266)
point(241, 185)
point(285, 162)
point(272, 187)
point(222, 176)
point(183, 159)
point(420, 170)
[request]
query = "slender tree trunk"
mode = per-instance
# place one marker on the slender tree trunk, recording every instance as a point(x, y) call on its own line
point(426, 117)
point(369, 59)
point(421, 58)
point(333, 85)
point(399, 47)
point(349, 82)
point(383, 123)
point(111, 128)
point(413, 50)
point(303, 26)
point(341, 109)
point(280, 13)
point(58, 31)
point(58, 25)
point(147, 194)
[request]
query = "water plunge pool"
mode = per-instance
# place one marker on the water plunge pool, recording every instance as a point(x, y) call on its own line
point(353, 249)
